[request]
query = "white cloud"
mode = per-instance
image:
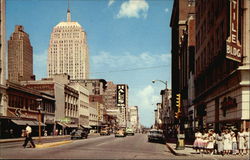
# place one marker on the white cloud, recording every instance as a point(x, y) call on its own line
point(39, 65)
point(133, 9)
point(120, 60)
point(111, 2)
point(166, 10)
point(147, 98)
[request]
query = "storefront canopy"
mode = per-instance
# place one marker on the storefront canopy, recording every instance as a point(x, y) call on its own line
point(85, 126)
point(67, 125)
point(21, 122)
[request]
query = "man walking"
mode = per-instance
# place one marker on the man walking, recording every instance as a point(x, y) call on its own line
point(28, 137)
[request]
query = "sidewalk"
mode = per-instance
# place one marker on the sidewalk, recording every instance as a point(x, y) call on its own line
point(189, 151)
point(34, 138)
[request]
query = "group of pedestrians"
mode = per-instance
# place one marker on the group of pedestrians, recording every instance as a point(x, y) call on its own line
point(224, 143)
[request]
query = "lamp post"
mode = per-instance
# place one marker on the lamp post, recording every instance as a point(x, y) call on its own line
point(39, 108)
point(153, 81)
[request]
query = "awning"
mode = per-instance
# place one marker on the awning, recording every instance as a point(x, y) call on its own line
point(61, 124)
point(67, 125)
point(37, 123)
point(21, 122)
point(85, 126)
point(71, 125)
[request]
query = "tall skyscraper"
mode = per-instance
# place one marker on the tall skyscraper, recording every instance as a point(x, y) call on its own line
point(68, 50)
point(20, 56)
point(3, 100)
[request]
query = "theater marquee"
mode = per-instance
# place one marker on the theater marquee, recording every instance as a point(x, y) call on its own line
point(233, 48)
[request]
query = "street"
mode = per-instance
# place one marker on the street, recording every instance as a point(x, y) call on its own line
point(101, 147)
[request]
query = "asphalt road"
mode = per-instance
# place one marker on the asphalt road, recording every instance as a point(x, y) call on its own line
point(101, 147)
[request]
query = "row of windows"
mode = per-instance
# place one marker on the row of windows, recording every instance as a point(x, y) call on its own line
point(29, 104)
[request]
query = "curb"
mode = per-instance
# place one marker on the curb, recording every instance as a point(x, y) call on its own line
point(171, 149)
point(174, 152)
point(47, 145)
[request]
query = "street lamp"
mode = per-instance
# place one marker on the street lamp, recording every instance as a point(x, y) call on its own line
point(153, 81)
point(39, 108)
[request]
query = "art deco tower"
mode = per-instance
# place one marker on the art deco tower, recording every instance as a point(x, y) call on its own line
point(68, 50)
point(20, 56)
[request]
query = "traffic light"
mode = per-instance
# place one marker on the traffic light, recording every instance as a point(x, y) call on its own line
point(177, 115)
point(178, 102)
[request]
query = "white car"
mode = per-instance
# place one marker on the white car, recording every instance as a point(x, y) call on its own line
point(156, 135)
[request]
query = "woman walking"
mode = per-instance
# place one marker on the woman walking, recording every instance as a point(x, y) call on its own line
point(241, 142)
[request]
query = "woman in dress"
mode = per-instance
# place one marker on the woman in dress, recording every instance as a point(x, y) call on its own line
point(241, 141)
point(234, 144)
point(247, 143)
point(227, 142)
point(219, 142)
point(198, 141)
point(210, 143)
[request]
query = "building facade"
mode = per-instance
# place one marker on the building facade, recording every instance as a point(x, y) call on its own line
point(110, 96)
point(68, 50)
point(222, 64)
point(83, 104)
point(22, 109)
point(3, 96)
point(177, 24)
point(66, 101)
point(20, 56)
point(134, 118)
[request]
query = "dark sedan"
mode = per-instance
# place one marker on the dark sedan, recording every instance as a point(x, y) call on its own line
point(79, 133)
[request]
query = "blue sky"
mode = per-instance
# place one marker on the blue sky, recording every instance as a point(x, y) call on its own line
point(129, 41)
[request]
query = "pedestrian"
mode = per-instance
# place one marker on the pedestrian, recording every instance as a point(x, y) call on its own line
point(227, 142)
point(28, 137)
point(219, 142)
point(247, 141)
point(198, 141)
point(210, 143)
point(234, 144)
point(241, 142)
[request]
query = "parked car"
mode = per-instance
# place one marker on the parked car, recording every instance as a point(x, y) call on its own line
point(120, 133)
point(79, 133)
point(104, 131)
point(130, 131)
point(156, 135)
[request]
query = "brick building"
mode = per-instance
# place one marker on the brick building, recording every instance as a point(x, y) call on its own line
point(222, 79)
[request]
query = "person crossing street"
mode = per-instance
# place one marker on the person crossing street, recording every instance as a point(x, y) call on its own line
point(28, 137)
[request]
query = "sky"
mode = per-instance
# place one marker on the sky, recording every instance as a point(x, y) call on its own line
point(129, 41)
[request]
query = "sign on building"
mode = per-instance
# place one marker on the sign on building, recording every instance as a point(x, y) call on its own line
point(233, 48)
point(121, 95)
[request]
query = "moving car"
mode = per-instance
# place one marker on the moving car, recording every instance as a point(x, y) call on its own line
point(120, 133)
point(130, 131)
point(156, 135)
point(104, 131)
point(79, 133)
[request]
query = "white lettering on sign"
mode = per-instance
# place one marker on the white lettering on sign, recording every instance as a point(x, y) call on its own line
point(233, 47)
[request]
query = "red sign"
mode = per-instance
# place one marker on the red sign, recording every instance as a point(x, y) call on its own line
point(233, 50)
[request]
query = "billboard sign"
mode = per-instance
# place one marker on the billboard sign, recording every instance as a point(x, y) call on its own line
point(233, 46)
point(121, 95)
